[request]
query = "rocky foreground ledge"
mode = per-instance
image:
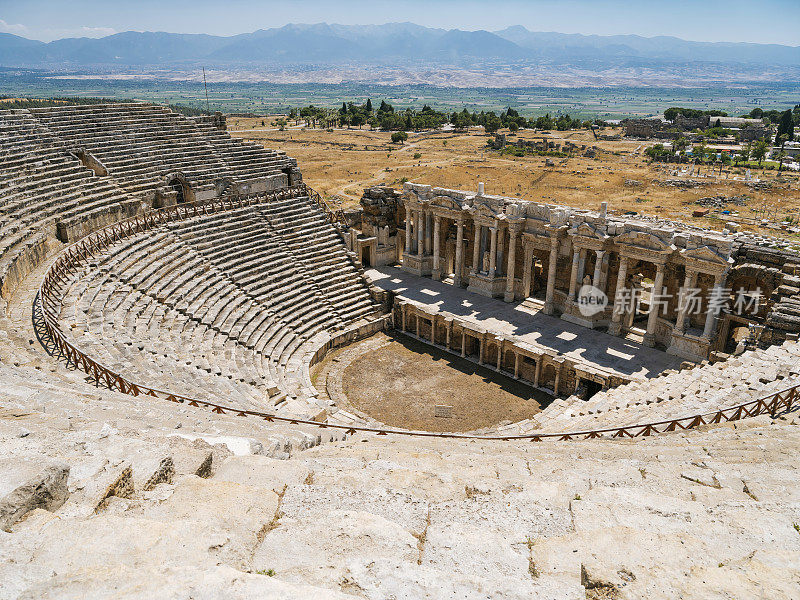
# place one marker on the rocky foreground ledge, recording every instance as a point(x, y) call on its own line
point(109, 496)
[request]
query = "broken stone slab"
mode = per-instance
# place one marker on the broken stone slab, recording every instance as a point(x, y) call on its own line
point(150, 471)
point(239, 446)
point(48, 491)
point(262, 471)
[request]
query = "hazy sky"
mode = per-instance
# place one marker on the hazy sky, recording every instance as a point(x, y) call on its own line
point(765, 21)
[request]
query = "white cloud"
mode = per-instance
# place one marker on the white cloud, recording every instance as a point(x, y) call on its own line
point(95, 32)
point(15, 28)
point(50, 34)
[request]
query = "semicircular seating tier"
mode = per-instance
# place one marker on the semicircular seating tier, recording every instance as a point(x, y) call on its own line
point(141, 145)
point(230, 306)
point(704, 389)
point(69, 170)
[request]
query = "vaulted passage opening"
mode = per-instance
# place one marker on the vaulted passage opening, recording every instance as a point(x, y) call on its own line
point(180, 188)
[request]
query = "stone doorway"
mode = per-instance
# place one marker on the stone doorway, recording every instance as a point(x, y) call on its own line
point(182, 190)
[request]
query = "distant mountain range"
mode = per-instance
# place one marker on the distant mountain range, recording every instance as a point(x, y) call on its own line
point(390, 44)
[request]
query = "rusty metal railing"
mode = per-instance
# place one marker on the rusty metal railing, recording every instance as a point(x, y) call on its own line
point(56, 281)
point(334, 215)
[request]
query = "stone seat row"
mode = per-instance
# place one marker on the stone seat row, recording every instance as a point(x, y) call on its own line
point(141, 144)
point(252, 339)
point(707, 388)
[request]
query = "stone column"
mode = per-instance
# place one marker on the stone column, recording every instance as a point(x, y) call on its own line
point(463, 343)
point(476, 250)
point(688, 283)
point(512, 262)
point(516, 365)
point(428, 233)
point(538, 371)
point(493, 252)
point(403, 315)
point(448, 327)
point(557, 381)
point(649, 338)
point(416, 316)
point(604, 272)
point(573, 276)
point(499, 354)
point(527, 271)
point(459, 253)
point(549, 307)
point(598, 268)
point(481, 344)
point(420, 235)
point(408, 231)
point(615, 327)
point(581, 269)
point(712, 314)
point(436, 226)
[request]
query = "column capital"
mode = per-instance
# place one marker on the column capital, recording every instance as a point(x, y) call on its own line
point(515, 228)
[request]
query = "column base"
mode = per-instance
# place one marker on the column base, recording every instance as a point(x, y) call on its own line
point(457, 280)
point(614, 328)
point(509, 296)
point(486, 286)
point(549, 308)
point(688, 346)
point(436, 274)
point(649, 339)
point(418, 265)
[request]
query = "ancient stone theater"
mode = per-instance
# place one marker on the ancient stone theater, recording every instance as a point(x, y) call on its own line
point(187, 330)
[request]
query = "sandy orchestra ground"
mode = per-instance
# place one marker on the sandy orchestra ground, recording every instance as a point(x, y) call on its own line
point(401, 383)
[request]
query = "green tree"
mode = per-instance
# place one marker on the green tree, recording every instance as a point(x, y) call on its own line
point(700, 151)
point(368, 106)
point(492, 123)
point(680, 144)
point(785, 127)
point(399, 137)
point(759, 151)
point(513, 127)
point(781, 156)
point(746, 152)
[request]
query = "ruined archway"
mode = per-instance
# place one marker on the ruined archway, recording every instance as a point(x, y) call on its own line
point(177, 183)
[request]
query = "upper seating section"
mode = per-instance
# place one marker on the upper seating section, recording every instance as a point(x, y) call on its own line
point(142, 144)
point(43, 186)
point(66, 171)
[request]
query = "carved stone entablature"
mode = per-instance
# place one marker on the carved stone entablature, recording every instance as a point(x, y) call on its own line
point(705, 260)
point(587, 236)
point(445, 206)
point(486, 213)
point(641, 245)
point(536, 241)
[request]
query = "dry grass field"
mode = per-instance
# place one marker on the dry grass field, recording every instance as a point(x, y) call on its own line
point(341, 163)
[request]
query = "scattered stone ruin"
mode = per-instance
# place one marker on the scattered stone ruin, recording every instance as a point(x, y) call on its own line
point(748, 129)
point(500, 141)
